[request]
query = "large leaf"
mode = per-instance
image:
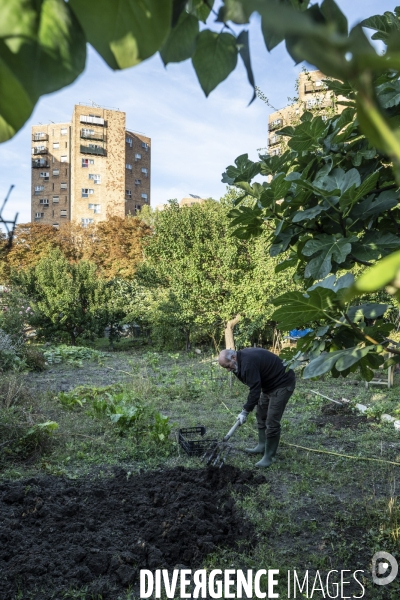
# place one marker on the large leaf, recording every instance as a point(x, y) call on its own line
point(307, 135)
point(366, 311)
point(181, 41)
point(372, 206)
point(384, 25)
point(200, 8)
point(325, 248)
point(42, 48)
point(378, 276)
point(375, 244)
point(351, 357)
point(124, 32)
point(214, 59)
point(244, 51)
point(297, 309)
point(309, 213)
point(244, 170)
point(322, 364)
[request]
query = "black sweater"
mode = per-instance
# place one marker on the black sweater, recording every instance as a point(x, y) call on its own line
point(261, 370)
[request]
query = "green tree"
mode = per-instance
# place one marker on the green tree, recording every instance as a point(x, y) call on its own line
point(68, 297)
point(206, 276)
point(332, 204)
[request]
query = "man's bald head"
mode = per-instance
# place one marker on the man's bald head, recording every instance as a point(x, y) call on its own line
point(227, 359)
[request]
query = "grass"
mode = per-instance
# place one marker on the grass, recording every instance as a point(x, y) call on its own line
point(316, 511)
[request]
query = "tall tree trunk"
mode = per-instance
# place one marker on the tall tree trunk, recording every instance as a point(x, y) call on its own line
point(229, 339)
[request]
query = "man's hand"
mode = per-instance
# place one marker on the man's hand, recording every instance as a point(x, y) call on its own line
point(243, 416)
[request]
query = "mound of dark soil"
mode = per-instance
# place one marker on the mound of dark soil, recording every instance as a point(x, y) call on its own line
point(339, 417)
point(57, 534)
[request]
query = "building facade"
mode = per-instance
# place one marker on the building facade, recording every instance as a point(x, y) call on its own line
point(89, 169)
point(312, 96)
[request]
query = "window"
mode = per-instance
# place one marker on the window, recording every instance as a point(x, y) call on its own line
point(138, 181)
point(128, 193)
point(96, 208)
point(312, 102)
point(138, 206)
point(40, 135)
point(145, 146)
point(86, 222)
point(138, 156)
point(144, 196)
point(45, 175)
point(39, 150)
point(39, 215)
point(63, 213)
point(55, 225)
point(63, 131)
point(86, 192)
point(129, 141)
point(56, 172)
point(145, 171)
point(128, 166)
point(44, 201)
point(56, 199)
point(63, 186)
point(63, 159)
point(38, 189)
point(56, 145)
point(88, 132)
point(96, 178)
point(87, 161)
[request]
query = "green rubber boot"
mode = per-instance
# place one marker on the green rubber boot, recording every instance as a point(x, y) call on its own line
point(271, 446)
point(259, 449)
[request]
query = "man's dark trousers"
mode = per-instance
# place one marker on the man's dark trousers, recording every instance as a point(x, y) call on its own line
point(271, 406)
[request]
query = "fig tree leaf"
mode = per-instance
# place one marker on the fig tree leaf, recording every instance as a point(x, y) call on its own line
point(181, 41)
point(214, 58)
point(322, 364)
point(124, 32)
point(325, 248)
point(42, 49)
point(297, 309)
point(378, 276)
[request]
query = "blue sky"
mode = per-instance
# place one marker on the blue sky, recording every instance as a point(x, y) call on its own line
point(193, 138)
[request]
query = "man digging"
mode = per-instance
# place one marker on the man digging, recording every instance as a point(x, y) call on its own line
point(270, 389)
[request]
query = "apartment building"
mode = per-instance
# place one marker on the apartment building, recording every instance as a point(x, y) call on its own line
point(89, 169)
point(314, 96)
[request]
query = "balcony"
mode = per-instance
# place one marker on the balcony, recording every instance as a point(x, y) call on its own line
point(40, 137)
point(94, 136)
point(40, 150)
point(38, 164)
point(275, 124)
point(89, 150)
point(314, 86)
point(93, 120)
point(273, 140)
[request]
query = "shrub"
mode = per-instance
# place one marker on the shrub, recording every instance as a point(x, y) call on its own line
point(34, 358)
point(9, 358)
point(24, 434)
point(73, 355)
point(127, 413)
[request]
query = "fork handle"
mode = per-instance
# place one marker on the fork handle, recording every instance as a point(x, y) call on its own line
point(231, 431)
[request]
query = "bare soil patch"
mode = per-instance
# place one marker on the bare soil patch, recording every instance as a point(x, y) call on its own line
point(339, 417)
point(58, 534)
